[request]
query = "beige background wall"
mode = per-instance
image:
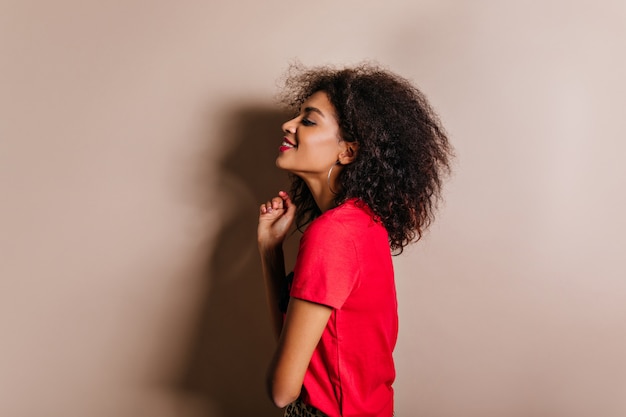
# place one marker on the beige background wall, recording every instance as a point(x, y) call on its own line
point(137, 137)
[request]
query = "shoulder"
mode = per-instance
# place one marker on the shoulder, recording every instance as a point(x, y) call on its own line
point(345, 218)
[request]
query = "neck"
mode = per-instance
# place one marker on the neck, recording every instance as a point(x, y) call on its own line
point(323, 196)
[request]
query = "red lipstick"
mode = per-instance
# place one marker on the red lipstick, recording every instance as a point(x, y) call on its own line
point(286, 145)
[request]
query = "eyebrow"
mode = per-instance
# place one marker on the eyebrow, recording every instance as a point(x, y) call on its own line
point(313, 109)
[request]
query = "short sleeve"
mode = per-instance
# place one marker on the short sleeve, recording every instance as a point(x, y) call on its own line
point(327, 268)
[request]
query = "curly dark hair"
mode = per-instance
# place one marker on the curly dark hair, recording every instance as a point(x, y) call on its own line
point(403, 150)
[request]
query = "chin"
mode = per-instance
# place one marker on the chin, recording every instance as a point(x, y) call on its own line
point(280, 164)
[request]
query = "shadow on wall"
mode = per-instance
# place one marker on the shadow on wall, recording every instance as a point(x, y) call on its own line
point(232, 342)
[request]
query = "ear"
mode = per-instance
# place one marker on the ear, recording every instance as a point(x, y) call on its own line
point(348, 154)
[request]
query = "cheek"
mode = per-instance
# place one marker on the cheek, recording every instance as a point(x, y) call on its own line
point(318, 159)
point(328, 149)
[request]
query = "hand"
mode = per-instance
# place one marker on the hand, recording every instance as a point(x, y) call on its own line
point(275, 219)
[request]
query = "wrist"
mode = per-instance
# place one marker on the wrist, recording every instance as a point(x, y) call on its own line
point(270, 248)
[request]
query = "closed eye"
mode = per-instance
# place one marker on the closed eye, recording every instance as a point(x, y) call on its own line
point(307, 122)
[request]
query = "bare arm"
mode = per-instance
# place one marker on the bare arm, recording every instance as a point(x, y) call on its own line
point(273, 264)
point(300, 335)
point(305, 321)
point(275, 220)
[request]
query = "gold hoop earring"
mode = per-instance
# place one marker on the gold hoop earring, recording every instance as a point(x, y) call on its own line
point(328, 177)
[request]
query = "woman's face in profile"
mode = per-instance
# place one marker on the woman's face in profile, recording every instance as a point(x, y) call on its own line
point(312, 140)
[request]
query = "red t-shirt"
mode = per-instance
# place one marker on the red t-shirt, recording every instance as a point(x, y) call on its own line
point(344, 262)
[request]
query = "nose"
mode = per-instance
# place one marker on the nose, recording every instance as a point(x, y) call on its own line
point(289, 126)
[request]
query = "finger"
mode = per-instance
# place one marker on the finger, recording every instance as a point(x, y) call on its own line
point(285, 196)
point(263, 209)
point(277, 203)
point(268, 207)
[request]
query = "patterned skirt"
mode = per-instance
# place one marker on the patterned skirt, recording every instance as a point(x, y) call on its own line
point(300, 409)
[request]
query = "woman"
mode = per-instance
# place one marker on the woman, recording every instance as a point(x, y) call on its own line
point(367, 156)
